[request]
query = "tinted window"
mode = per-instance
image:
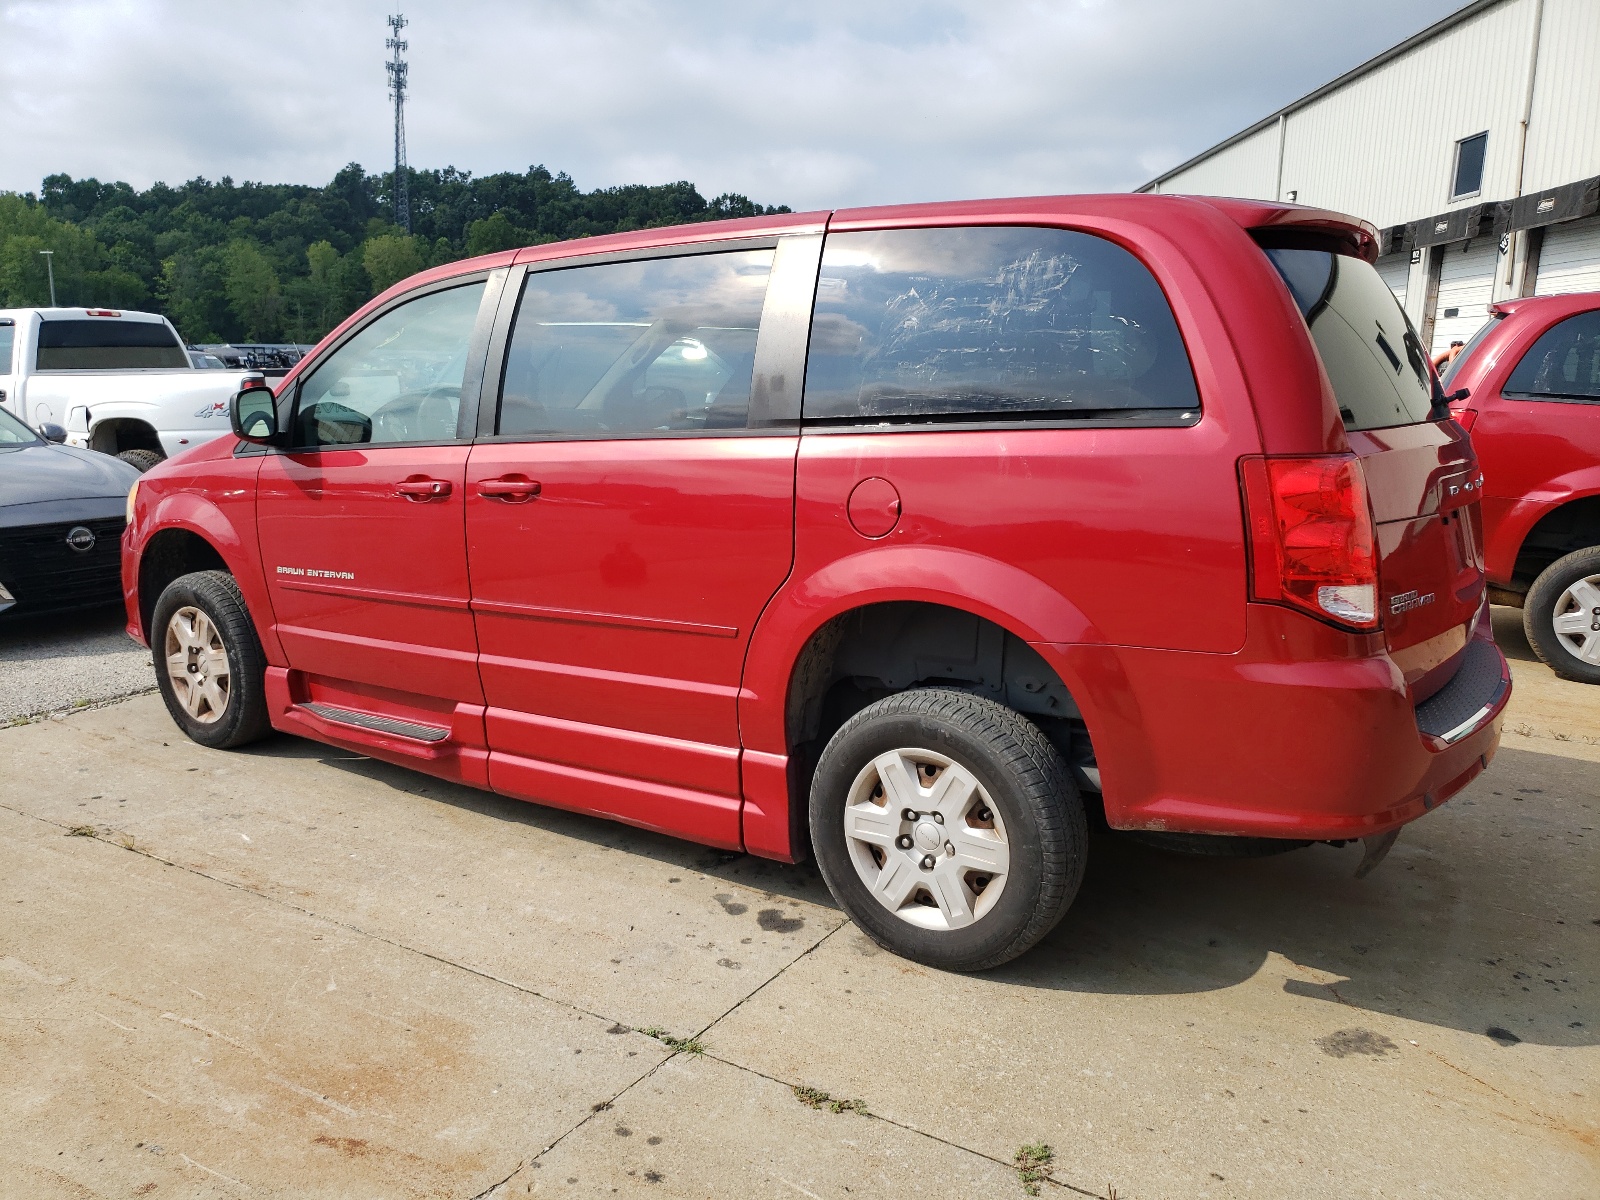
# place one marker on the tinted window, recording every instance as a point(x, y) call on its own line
point(1467, 351)
point(1564, 364)
point(107, 344)
point(635, 349)
point(1469, 165)
point(398, 380)
point(8, 335)
point(919, 324)
point(1373, 357)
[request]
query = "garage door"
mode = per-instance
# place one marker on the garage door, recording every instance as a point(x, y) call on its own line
point(1569, 260)
point(1466, 285)
point(1395, 270)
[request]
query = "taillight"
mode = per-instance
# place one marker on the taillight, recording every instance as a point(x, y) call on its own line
point(1466, 418)
point(1311, 536)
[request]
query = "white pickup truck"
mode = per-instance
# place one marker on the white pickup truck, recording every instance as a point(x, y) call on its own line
point(118, 382)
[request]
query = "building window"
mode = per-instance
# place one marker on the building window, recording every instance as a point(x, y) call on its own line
point(1469, 166)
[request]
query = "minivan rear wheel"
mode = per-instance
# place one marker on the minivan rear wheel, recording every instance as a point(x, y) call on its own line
point(1562, 616)
point(209, 663)
point(948, 827)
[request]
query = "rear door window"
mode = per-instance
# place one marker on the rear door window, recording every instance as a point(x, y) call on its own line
point(991, 323)
point(107, 345)
point(1374, 359)
point(1564, 364)
point(647, 348)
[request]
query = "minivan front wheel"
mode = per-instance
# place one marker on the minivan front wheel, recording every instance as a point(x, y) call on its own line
point(1562, 616)
point(209, 663)
point(948, 827)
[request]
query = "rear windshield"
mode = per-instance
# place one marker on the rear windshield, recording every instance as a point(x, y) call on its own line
point(1373, 357)
point(1448, 375)
point(107, 345)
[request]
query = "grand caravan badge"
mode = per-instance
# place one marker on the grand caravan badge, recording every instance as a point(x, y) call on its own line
point(1406, 601)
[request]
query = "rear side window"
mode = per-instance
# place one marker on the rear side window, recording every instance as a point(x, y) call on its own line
point(1373, 357)
point(635, 349)
point(1564, 364)
point(8, 335)
point(107, 345)
point(994, 323)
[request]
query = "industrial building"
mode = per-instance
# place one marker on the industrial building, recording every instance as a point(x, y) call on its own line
point(1474, 147)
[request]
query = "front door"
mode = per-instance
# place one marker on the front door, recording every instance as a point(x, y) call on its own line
point(362, 535)
point(626, 523)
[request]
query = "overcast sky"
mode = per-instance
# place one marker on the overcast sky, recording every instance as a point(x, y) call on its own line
point(815, 104)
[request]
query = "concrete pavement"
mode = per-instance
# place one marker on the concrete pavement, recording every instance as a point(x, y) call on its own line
point(294, 972)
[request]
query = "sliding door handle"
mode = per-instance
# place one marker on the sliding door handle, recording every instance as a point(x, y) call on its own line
point(513, 489)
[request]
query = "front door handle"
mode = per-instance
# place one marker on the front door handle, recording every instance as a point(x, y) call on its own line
point(513, 489)
point(422, 489)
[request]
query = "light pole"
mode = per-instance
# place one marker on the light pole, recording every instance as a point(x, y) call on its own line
point(50, 265)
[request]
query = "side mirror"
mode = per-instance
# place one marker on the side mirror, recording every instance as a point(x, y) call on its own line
point(51, 432)
point(253, 413)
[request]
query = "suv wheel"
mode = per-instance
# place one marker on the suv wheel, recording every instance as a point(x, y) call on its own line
point(142, 459)
point(948, 827)
point(1562, 616)
point(209, 662)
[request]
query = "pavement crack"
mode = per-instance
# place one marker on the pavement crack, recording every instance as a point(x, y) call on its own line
point(495, 1187)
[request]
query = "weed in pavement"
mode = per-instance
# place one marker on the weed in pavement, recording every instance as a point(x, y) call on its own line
point(1033, 1166)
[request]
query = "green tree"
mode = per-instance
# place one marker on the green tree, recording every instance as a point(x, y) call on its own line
point(251, 286)
point(391, 257)
point(495, 233)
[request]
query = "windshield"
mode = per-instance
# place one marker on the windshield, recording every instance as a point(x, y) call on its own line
point(13, 432)
point(1454, 367)
point(108, 344)
point(1373, 357)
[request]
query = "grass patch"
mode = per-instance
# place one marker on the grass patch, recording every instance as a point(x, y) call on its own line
point(688, 1045)
point(1033, 1166)
point(82, 831)
point(818, 1099)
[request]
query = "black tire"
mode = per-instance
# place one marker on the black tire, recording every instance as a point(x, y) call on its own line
point(142, 459)
point(243, 715)
point(1539, 614)
point(1024, 778)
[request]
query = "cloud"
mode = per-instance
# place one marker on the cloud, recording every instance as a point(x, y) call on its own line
point(833, 103)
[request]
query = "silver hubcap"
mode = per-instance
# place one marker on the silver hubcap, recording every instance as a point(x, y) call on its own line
point(925, 839)
point(1577, 620)
point(197, 664)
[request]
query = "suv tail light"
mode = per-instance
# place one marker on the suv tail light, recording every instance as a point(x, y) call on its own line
point(1311, 536)
point(1466, 418)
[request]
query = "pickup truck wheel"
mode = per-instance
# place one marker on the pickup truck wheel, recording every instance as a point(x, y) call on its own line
point(1562, 616)
point(143, 459)
point(209, 663)
point(948, 827)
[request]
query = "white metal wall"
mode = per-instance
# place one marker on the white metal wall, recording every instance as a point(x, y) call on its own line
point(1466, 282)
point(1383, 146)
point(1564, 132)
point(1248, 168)
point(1570, 258)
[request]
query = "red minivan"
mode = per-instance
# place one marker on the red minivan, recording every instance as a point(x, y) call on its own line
point(901, 536)
point(1528, 387)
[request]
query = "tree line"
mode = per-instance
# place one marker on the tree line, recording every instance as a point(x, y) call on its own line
point(261, 262)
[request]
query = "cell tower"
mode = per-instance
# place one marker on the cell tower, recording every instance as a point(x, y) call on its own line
point(397, 68)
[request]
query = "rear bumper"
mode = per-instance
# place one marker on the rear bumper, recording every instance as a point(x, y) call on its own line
point(1306, 733)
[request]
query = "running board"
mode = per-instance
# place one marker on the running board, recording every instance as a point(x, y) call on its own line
point(391, 725)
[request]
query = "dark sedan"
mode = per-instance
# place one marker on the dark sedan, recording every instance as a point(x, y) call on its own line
point(61, 518)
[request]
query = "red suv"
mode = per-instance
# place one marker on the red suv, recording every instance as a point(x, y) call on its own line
point(1532, 383)
point(898, 534)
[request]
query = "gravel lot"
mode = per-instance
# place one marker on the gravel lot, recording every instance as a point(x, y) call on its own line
point(77, 660)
